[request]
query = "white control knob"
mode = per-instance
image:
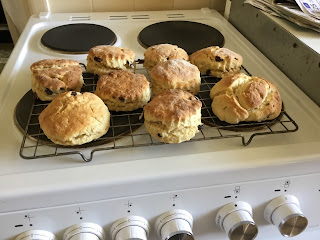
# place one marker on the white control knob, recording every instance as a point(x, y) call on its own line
point(284, 212)
point(132, 227)
point(84, 231)
point(175, 224)
point(36, 235)
point(236, 220)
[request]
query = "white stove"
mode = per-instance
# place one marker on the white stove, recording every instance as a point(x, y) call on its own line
point(189, 183)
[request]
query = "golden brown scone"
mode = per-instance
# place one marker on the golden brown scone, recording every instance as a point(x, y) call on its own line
point(216, 61)
point(51, 77)
point(175, 74)
point(238, 97)
point(74, 118)
point(173, 116)
point(162, 53)
point(104, 58)
point(123, 90)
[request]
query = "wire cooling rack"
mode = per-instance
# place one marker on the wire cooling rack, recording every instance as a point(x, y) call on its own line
point(127, 130)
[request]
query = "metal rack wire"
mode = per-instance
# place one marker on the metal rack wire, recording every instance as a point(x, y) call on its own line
point(127, 130)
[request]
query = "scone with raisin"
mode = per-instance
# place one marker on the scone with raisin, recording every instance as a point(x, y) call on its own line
point(175, 74)
point(173, 116)
point(161, 53)
point(104, 58)
point(123, 91)
point(238, 97)
point(216, 61)
point(74, 118)
point(51, 77)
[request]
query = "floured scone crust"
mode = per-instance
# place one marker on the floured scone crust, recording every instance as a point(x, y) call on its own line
point(175, 74)
point(238, 97)
point(173, 116)
point(216, 61)
point(74, 118)
point(162, 53)
point(123, 90)
point(51, 77)
point(104, 58)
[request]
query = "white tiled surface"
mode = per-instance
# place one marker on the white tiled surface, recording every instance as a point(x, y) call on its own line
point(71, 6)
point(147, 5)
point(112, 6)
point(182, 4)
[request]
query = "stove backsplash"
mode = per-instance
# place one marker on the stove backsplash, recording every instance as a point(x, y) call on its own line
point(18, 12)
point(130, 5)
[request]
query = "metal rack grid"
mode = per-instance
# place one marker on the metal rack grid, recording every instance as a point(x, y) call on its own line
point(126, 128)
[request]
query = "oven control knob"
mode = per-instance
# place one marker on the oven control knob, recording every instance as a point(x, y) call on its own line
point(36, 235)
point(131, 227)
point(236, 220)
point(84, 231)
point(175, 224)
point(284, 212)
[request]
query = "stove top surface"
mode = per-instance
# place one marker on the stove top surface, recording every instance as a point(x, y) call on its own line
point(190, 36)
point(15, 83)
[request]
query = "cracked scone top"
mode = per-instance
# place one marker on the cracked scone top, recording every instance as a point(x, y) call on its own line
point(123, 90)
point(74, 118)
point(175, 74)
point(173, 116)
point(51, 77)
point(216, 61)
point(104, 58)
point(238, 97)
point(161, 53)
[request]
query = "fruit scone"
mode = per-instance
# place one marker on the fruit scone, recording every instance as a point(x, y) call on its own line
point(74, 118)
point(175, 74)
point(216, 61)
point(104, 58)
point(161, 53)
point(50, 77)
point(123, 91)
point(173, 116)
point(238, 97)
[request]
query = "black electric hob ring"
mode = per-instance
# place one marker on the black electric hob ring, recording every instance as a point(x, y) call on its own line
point(190, 36)
point(78, 37)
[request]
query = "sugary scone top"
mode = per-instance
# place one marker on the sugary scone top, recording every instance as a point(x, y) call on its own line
point(57, 73)
point(107, 52)
point(173, 105)
point(165, 51)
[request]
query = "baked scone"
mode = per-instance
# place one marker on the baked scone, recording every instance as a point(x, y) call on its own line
point(173, 116)
point(175, 74)
point(74, 118)
point(123, 91)
point(51, 77)
point(104, 58)
point(162, 53)
point(238, 97)
point(216, 61)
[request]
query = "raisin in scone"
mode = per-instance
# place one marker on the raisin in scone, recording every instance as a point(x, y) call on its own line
point(51, 77)
point(238, 97)
point(74, 118)
point(173, 116)
point(216, 61)
point(161, 53)
point(175, 74)
point(104, 58)
point(123, 90)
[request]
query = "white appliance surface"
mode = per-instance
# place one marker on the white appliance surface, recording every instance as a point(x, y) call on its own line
point(200, 177)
